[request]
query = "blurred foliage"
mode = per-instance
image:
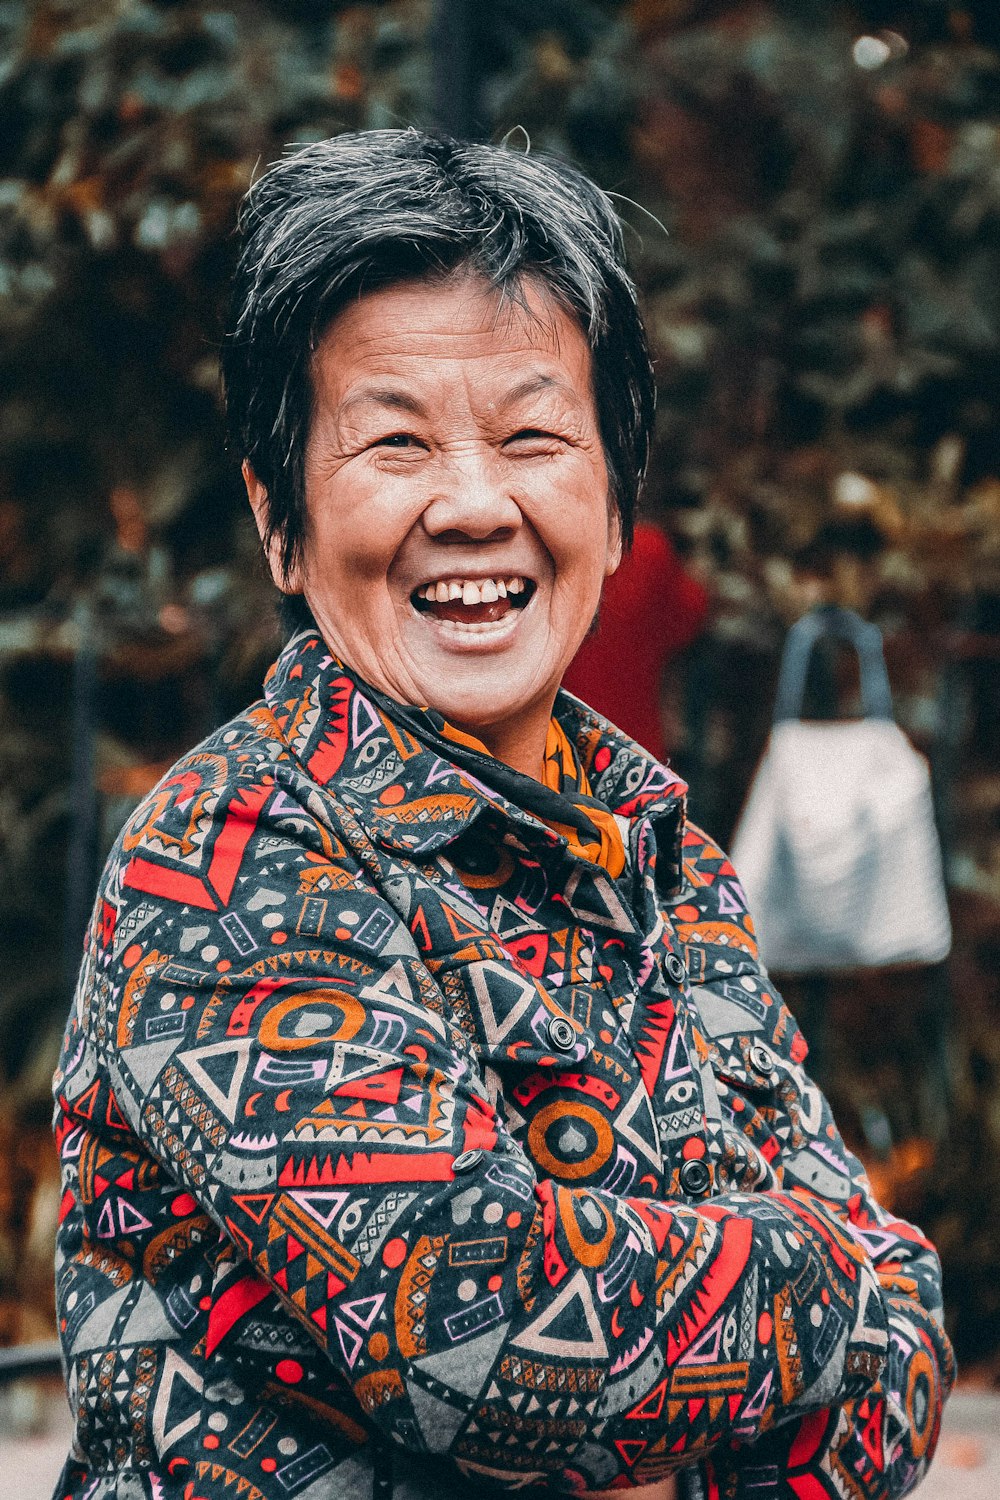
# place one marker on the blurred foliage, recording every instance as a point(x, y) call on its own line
point(818, 250)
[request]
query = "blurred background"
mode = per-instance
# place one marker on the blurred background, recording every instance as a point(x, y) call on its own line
point(812, 191)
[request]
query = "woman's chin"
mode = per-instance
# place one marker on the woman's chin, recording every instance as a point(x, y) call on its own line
point(475, 697)
point(484, 672)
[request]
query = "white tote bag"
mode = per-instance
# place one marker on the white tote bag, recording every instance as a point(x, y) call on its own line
point(836, 847)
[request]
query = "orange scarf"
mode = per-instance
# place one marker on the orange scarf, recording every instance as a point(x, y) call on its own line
point(595, 835)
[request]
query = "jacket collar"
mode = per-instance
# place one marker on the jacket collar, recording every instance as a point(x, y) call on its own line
point(390, 768)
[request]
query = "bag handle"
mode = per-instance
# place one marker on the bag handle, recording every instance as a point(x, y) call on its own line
point(832, 622)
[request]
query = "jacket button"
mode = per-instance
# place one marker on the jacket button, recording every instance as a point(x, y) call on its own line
point(695, 1177)
point(762, 1060)
point(465, 1161)
point(675, 969)
point(561, 1034)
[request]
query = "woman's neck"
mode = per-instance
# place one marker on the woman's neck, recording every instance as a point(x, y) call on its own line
point(519, 742)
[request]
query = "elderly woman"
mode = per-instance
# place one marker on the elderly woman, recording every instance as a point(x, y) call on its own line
point(426, 1116)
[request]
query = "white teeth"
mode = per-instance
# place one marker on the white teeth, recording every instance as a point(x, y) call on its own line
point(470, 591)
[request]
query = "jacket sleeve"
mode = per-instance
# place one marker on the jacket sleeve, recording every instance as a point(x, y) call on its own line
point(283, 1053)
point(780, 1134)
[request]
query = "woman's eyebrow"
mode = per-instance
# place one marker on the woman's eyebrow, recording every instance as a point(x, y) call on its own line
point(387, 396)
point(534, 384)
point(391, 398)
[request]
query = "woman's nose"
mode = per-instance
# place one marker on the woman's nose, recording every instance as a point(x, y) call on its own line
point(473, 497)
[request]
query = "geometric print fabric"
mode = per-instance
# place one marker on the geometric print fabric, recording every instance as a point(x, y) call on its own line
point(391, 1126)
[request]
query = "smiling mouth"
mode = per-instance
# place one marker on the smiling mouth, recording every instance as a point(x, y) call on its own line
point(473, 601)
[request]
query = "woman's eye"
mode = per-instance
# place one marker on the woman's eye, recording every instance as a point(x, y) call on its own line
point(396, 440)
point(534, 437)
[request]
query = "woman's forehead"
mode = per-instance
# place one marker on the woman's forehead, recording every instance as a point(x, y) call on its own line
point(413, 329)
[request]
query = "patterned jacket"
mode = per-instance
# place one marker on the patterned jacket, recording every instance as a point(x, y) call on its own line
point(402, 1144)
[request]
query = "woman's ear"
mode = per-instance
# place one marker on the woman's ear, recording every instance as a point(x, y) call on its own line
point(290, 582)
point(614, 542)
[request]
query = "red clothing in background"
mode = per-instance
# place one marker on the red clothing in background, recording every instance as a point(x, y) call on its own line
point(651, 609)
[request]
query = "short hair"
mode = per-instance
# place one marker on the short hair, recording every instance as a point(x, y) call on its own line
point(371, 209)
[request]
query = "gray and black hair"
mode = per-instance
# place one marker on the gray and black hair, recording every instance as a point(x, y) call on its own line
point(372, 209)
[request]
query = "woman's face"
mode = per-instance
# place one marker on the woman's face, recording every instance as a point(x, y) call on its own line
point(458, 524)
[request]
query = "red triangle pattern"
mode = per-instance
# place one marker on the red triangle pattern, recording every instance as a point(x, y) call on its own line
point(631, 1448)
point(382, 1087)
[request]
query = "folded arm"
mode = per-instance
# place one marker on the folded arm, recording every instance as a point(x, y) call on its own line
point(781, 1133)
